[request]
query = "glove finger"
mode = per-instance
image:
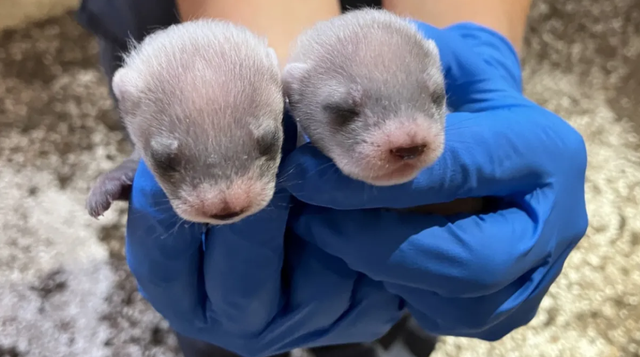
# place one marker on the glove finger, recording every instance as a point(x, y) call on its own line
point(464, 256)
point(372, 312)
point(488, 317)
point(319, 288)
point(494, 49)
point(471, 84)
point(483, 156)
point(243, 261)
point(163, 253)
point(242, 268)
point(325, 297)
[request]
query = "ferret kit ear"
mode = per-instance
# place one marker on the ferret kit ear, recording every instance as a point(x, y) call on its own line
point(124, 84)
point(291, 76)
point(274, 56)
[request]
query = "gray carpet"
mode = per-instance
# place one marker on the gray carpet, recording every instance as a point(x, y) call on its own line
point(65, 289)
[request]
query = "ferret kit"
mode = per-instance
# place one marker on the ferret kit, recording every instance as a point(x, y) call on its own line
point(202, 102)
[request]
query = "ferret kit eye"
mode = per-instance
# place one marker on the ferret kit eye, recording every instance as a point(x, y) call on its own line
point(340, 114)
point(164, 155)
point(438, 97)
point(267, 144)
point(168, 163)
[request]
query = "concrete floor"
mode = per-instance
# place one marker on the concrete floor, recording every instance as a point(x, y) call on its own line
point(65, 288)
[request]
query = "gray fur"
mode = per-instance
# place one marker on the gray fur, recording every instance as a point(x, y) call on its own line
point(369, 60)
point(202, 102)
point(380, 65)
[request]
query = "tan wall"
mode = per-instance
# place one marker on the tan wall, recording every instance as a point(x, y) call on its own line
point(16, 13)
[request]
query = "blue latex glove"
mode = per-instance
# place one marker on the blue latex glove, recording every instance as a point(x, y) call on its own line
point(235, 287)
point(475, 276)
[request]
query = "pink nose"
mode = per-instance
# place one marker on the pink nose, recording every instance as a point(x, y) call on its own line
point(408, 153)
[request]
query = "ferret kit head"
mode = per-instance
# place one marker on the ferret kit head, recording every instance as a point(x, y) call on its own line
point(368, 90)
point(203, 103)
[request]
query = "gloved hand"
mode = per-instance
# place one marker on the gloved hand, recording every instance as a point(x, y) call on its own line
point(234, 286)
point(477, 276)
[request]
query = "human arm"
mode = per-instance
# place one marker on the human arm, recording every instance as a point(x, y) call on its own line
point(470, 275)
point(507, 17)
point(280, 21)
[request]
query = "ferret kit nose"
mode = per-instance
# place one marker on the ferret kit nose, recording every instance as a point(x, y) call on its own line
point(408, 153)
point(226, 215)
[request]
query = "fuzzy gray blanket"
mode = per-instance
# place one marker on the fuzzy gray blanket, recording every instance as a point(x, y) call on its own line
point(65, 289)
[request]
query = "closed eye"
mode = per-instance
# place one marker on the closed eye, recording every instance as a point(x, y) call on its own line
point(438, 98)
point(164, 155)
point(341, 115)
point(268, 145)
point(167, 164)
